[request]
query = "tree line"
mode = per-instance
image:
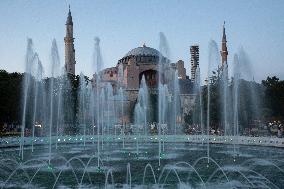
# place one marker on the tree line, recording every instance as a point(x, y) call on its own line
point(257, 102)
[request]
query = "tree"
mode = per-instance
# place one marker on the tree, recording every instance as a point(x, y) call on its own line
point(274, 97)
point(10, 97)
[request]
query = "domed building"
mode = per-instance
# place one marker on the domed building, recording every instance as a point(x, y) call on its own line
point(141, 61)
point(149, 63)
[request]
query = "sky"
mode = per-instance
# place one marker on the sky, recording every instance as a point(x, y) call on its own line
point(257, 26)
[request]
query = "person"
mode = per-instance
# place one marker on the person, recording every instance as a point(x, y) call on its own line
point(269, 128)
point(279, 132)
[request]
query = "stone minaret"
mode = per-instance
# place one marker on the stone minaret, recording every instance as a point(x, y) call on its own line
point(69, 46)
point(224, 52)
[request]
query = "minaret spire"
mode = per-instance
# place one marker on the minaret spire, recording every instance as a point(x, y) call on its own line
point(69, 46)
point(224, 33)
point(224, 54)
point(224, 50)
point(69, 18)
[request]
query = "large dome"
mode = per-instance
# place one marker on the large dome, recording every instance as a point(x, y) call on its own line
point(143, 51)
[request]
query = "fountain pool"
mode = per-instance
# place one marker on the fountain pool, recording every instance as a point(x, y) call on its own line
point(184, 163)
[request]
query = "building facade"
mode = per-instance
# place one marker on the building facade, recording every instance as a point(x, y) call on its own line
point(181, 69)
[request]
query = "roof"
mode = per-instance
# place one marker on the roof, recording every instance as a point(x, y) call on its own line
point(144, 50)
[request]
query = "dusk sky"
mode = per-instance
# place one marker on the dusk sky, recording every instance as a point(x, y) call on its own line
point(255, 25)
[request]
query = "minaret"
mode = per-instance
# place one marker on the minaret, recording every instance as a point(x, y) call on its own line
point(69, 46)
point(224, 52)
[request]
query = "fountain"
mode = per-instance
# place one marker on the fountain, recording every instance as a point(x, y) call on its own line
point(96, 145)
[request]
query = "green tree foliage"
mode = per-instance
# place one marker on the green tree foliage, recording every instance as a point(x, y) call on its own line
point(10, 97)
point(250, 103)
point(274, 98)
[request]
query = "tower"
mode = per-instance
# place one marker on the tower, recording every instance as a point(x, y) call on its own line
point(181, 70)
point(224, 53)
point(69, 46)
point(194, 51)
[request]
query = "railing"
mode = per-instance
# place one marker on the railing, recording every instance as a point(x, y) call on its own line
point(241, 140)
